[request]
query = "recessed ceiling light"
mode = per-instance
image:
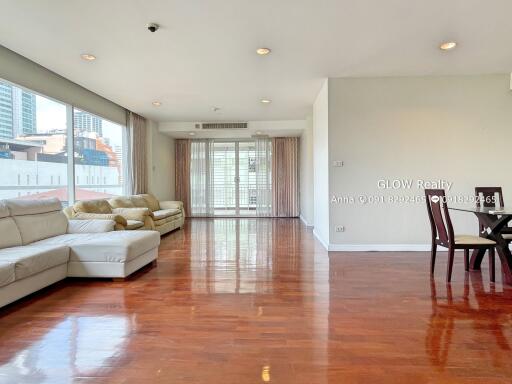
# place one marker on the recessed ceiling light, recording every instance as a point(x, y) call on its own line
point(448, 45)
point(258, 132)
point(88, 57)
point(265, 101)
point(263, 51)
point(191, 133)
point(215, 109)
point(156, 103)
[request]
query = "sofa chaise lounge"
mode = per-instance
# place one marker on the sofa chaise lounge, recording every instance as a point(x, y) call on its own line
point(40, 246)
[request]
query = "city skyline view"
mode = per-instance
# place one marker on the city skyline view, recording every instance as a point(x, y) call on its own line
point(34, 152)
point(50, 115)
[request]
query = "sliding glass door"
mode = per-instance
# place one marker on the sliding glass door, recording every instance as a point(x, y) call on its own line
point(231, 178)
point(247, 178)
point(225, 179)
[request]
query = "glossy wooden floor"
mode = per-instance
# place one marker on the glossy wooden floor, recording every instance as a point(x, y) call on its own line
point(257, 300)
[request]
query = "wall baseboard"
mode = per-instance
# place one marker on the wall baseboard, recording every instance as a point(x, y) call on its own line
point(379, 247)
point(305, 222)
point(325, 245)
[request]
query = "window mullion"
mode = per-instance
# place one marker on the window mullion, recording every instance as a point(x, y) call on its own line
point(71, 154)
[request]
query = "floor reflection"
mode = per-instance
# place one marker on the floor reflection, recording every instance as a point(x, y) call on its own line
point(478, 309)
point(236, 256)
point(75, 347)
point(259, 300)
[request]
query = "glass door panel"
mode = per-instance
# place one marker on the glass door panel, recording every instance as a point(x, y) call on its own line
point(247, 178)
point(241, 178)
point(224, 178)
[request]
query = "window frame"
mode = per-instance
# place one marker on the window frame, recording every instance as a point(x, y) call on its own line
point(70, 142)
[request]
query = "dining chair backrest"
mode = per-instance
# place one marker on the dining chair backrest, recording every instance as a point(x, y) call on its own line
point(486, 197)
point(439, 216)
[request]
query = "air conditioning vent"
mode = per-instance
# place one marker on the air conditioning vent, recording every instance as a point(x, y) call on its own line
point(224, 125)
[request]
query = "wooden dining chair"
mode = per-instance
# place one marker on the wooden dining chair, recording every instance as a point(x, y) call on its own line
point(442, 234)
point(486, 197)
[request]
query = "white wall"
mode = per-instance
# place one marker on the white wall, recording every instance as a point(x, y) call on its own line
point(160, 161)
point(454, 128)
point(306, 173)
point(321, 164)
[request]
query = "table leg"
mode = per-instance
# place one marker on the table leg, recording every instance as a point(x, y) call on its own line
point(506, 259)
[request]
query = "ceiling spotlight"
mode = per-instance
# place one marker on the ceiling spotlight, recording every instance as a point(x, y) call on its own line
point(88, 57)
point(156, 103)
point(215, 109)
point(265, 101)
point(448, 45)
point(263, 51)
point(258, 132)
point(191, 133)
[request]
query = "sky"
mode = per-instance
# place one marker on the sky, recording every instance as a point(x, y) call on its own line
point(51, 115)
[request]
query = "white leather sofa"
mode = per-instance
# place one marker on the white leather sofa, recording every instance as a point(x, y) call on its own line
point(40, 246)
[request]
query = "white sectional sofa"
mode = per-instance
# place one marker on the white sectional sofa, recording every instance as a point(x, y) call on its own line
point(40, 246)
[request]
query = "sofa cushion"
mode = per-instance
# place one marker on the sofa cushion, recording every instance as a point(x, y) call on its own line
point(101, 216)
point(38, 219)
point(4, 211)
point(90, 226)
point(30, 260)
point(93, 206)
point(117, 246)
point(121, 202)
point(19, 207)
point(43, 226)
point(7, 275)
point(152, 202)
point(134, 224)
point(139, 201)
point(10, 236)
point(165, 213)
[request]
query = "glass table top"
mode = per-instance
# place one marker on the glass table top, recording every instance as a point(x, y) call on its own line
point(486, 210)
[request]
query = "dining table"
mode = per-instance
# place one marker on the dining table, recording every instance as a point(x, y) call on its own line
point(494, 226)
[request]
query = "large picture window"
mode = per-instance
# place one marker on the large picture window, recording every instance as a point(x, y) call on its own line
point(37, 160)
point(33, 145)
point(99, 154)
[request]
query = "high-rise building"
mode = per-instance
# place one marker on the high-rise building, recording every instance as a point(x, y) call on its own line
point(25, 121)
point(17, 112)
point(85, 122)
point(6, 111)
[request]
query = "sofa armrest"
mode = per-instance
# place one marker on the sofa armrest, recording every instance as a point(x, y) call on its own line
point(171, 205)
point(69, 212)
point(120, 220)
point(138, 214)
point(90, 226)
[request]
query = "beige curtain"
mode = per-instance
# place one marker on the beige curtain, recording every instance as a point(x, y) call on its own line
point(137, 132)
point(285, 187)
point(182, 180)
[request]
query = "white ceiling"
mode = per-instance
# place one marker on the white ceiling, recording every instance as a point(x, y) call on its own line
point(204, 54)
